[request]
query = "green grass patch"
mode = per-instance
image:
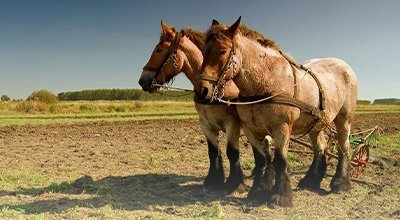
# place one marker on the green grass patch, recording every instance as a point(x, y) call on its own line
point(213, 210)
point(387, 145)
point(59, 187)
point(11, 211)
point(21, 179)
point(295, 162)
point(392, 141)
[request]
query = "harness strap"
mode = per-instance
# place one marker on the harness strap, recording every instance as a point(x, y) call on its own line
point(208, 78)
point(206, 102)
point(286, 101)
point(151, 69)
point(322, 104)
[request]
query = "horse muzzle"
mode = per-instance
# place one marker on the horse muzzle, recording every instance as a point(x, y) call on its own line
point(204, 92)
point(146, 80)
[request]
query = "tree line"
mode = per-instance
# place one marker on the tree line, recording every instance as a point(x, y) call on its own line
point(125, 94)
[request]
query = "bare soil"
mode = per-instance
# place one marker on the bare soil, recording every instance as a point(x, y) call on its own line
point(155, 169)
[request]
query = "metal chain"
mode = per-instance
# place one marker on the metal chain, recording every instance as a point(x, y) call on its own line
point(174, 58)
point(218, 95)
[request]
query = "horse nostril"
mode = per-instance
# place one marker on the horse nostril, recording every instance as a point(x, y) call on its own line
point(204, 92)
point(141, 82)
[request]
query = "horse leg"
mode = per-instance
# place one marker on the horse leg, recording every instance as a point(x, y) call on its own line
point(260, 160)
point(235, 181)
point(317, 170)
point(282, 191)
point(215, 177)
point(261, 184)
point(341, 179)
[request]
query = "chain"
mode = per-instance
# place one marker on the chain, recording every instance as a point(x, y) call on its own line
point(218, 95)
point(174, 58)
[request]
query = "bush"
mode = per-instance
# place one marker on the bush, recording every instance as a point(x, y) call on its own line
point(392, 101)
point(5, 98)
point(125, 94)
point(31, 106)
point(44, 96)
point(87, 108)
point(363, 102)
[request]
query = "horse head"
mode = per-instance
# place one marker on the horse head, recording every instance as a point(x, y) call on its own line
point(221, 62)
point(164, 63)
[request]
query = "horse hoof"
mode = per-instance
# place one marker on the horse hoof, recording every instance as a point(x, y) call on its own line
point(240, 189)
point(309, 183)
point(258, 194)
point(340, 184)
point(213, 184)
point(281, 200)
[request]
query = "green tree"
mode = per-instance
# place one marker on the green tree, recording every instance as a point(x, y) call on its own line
point(5, 98)
point(44, 96)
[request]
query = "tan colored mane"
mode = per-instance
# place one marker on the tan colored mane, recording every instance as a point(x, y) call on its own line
point(197, 37)
point(216, 31)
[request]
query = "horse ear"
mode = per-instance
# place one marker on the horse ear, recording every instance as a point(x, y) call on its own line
point(167, 33)
point(232, 30)
point(214, 22)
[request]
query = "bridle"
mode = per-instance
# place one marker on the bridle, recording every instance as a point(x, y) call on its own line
point(171, 55)
point(220, 81)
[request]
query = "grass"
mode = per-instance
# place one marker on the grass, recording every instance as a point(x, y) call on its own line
point(213, 210)
point(92, 111)
point(368, 109)
point(388, 145)
point(33, 121)
point(20, 179)
point(32, 108)
point(28, 112)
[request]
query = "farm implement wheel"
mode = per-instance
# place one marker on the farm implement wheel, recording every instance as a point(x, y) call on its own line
point(360, 159)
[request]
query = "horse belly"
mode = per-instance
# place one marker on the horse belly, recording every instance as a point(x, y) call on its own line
point(262, 118)
point(218, 116)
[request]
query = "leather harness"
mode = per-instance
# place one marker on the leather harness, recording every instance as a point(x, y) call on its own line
point(171, 50)
point(319, 111)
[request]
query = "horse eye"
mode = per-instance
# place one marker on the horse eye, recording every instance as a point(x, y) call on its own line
point(158, 50)
point(222, 52)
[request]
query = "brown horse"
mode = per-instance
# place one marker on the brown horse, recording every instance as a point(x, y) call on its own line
point(181, 52)
point(297, 93)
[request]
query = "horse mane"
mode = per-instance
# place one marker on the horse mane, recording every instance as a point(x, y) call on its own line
point(216, 31)
point(197, 37)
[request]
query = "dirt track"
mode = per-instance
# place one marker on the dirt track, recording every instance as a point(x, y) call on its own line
point(155, 169)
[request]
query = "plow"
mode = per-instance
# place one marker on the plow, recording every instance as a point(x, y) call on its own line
point(360, 144)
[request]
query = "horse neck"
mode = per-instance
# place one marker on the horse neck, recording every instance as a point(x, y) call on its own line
point(193, 58)
point(264, 71)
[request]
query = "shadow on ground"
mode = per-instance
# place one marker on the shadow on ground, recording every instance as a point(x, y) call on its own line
point(129, 193)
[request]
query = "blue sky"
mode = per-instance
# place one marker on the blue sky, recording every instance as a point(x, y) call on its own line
point(65, 45)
